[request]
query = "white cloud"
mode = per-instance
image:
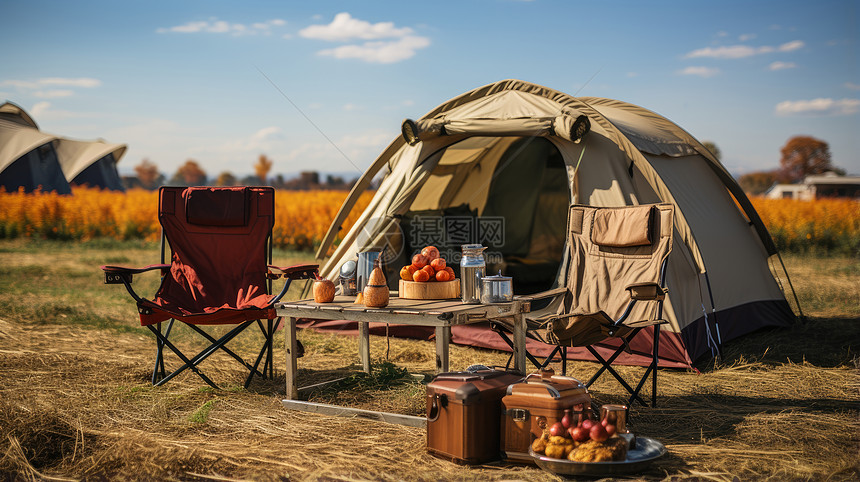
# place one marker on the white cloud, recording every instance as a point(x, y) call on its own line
point(820, 107)
point(782, 65)
point(792, 46)
point(734, 52)
point(351, 107)
point(53, 94)
point(700, 71)
point(39, 109)
point(360, 149)
point(746, 37)
point(45, 110)
point(213, 25)
point(20, 84)
point(82, 82)
point(41, 89)
point(384, 42)
point(379, 52)
point(852, 86)
point(742, 51)
point(261, 140)
point(345, 28)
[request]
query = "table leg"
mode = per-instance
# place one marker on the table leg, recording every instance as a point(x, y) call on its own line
point(291, 344)
point(520, 343)
point(364, 345)
point(443, 339)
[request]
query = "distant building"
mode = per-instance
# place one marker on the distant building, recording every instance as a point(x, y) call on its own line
point(826, 185)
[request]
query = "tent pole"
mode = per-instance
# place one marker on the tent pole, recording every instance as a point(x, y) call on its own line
point(714, 316)
point(794, 293)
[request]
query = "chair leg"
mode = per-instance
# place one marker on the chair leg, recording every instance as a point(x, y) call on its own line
point(530, 357)
point(188, 363)
point(197, 359)
point(607, 366)
point(655, 350)
point(266, 351)
point(158, 371)
point(564, 361)
point(222, 346)
point(650, 371)
point(275, 326)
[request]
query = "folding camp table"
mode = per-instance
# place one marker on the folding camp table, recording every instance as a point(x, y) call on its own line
point(442, 314)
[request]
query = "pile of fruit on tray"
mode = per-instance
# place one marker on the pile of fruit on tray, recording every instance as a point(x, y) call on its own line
point(427, 266)
point(585, 440)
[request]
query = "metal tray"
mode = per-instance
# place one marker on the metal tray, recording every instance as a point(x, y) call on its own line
point(646, 451)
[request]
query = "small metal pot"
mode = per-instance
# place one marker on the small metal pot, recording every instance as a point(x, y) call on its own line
point(497, 289)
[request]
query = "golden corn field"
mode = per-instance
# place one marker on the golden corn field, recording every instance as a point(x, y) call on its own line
point(303, 217)
point(824, 225)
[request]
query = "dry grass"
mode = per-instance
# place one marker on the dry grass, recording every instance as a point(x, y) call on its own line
point(75, 401)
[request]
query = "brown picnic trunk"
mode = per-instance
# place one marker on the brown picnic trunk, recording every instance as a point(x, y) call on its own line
point(463, 414)
point(534, 405)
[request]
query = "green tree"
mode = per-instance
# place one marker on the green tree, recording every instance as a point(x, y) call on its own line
point(226, 178)
point(147, 173)
point(757, 182)
point(189, 174)
point(802, 156)
point(262, 168)
point(711, 146)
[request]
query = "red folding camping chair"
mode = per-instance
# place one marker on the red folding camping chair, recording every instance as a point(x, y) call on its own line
point(219, 273)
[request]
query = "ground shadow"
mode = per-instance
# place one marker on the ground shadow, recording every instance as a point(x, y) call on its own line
point(823, 342)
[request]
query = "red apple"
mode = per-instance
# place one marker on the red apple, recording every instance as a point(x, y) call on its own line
point(578, 434)
point(587, 424)
point(611, 429)
point(598, 433)
point(567, 420)
point(557, 430)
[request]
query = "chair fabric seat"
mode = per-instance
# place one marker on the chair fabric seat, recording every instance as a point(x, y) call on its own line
point(613, 292)
point(219, 273)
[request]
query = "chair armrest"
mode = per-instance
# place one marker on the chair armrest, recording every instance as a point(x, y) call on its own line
point(299, 271)
point(543, 294)
point(290, 273)
point(115, 275)
point(647, 291)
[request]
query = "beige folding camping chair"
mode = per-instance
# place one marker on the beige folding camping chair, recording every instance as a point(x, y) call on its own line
point(615, 288)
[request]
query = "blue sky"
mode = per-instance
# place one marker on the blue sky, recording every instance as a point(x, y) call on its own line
point(215, 81)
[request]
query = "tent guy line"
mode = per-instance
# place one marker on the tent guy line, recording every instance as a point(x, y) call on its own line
point(327, 138)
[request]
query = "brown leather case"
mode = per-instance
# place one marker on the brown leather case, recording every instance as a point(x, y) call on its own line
point(463, 413)
point(535, 404)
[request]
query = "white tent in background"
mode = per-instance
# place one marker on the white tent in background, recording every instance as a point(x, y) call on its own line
point(28, 157)
point(91, 163)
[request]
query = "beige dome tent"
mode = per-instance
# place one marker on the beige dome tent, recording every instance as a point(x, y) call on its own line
point(28, 157)
point(500, 165)
point(91, 163)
